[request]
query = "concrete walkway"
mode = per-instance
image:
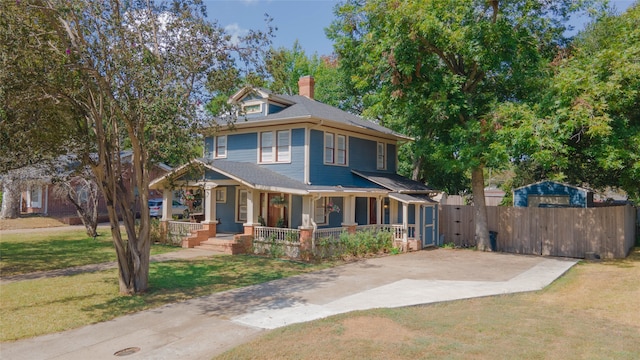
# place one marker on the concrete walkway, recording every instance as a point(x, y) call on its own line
point(207, 326)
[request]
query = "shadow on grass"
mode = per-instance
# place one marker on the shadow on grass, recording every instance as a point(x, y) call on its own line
point(175, 281)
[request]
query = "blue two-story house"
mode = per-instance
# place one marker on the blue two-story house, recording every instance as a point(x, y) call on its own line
point(293, 163)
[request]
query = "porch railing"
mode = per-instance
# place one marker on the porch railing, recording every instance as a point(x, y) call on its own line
point(276, 241)
point(333, 233)
point(176, 230)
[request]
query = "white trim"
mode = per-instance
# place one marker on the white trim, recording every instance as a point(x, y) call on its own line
point(223, 198)
point(274, 147)
point(335, 136)
point(237, 207)
point(215, 146)
point(324, 211)
point(307, 152)
point(384, 155)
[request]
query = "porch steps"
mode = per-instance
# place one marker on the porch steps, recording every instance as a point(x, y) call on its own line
point(237, 245)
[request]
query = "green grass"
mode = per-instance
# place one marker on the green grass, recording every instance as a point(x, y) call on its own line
point(590, 313)
point(51, 250)
point(37, 307)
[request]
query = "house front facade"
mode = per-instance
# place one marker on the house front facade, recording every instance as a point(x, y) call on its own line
point(290, 162)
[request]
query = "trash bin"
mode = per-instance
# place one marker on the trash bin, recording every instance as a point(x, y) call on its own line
point(493, 240)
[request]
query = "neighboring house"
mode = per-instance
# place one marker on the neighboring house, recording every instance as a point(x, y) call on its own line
point(39, 198)
point(552, 194)
point(295, 163)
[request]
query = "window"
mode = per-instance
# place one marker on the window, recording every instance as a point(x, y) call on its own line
point(35, 197)
point(335, 149)
point(221, 146)
point(381, 160)
point(241, 213)
point(328, 148)
point(266, 147)
point(320, 211)
point(276, 149)
point(252, 109)
point(221, 195)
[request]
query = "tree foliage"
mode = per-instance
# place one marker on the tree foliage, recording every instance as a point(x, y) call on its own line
point(585, 129)
point(136, 75)
point(438, 70)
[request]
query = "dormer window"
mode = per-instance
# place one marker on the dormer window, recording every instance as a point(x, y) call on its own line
point(252, 108)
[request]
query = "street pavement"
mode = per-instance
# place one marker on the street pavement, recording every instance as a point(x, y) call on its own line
point(204, 327)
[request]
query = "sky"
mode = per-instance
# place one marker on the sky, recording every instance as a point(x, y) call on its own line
point(304, 20)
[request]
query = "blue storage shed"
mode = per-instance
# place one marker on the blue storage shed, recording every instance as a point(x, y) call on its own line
point(552, 194)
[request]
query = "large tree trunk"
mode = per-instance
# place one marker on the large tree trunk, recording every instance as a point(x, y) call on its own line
point(10, 198)
point(480, 209)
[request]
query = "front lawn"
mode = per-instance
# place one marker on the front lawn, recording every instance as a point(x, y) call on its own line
point(37, 307)
point(590, 313)
point(51, 250)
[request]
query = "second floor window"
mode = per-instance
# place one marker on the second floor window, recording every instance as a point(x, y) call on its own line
point(381, 158)
point(221, 147)
point(275, 146)
point(335, 149)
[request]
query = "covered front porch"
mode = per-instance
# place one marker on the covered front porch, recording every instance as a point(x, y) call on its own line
point(246, 207)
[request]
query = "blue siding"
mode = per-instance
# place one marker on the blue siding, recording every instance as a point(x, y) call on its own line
point(208, 147)
point(295, 169)
point(273, 108)
point(577, 197)
point(226, 214)
point(391, 158)
point(242, 147)
point(212, 175)
point(295, 220)
point(361, 156)
point(362, 213)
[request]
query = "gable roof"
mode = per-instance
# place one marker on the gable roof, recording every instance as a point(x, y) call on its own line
point(552, 182)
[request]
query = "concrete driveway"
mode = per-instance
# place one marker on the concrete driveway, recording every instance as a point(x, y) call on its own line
point(207, 326)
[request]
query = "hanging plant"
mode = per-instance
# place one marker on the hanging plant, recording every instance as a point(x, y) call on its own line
point(331, 207)
point(278, 201)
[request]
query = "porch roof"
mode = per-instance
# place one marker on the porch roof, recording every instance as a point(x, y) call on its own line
point(412, 199)
point(256, 177)
point(395, 182)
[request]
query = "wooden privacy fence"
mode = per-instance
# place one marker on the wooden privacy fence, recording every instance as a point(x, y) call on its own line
point(569, 232)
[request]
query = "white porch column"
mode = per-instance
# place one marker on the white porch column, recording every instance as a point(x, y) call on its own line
point(349, 211)
point(167, 202)
point(307, 214)
point(417, 222)
point(393, 211)
point(405, 221)
point(253, 207)
point(210, 204)
point(379, 210)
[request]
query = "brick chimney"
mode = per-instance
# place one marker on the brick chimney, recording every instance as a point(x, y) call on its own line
point(305, 86)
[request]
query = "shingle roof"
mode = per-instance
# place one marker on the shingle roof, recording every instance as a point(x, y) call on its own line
point(254, 175)
point(394, 182)
point(305, 107)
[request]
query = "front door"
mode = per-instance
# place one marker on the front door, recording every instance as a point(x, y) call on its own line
point(276, 212)
point(429, 226)
point(373, 211)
